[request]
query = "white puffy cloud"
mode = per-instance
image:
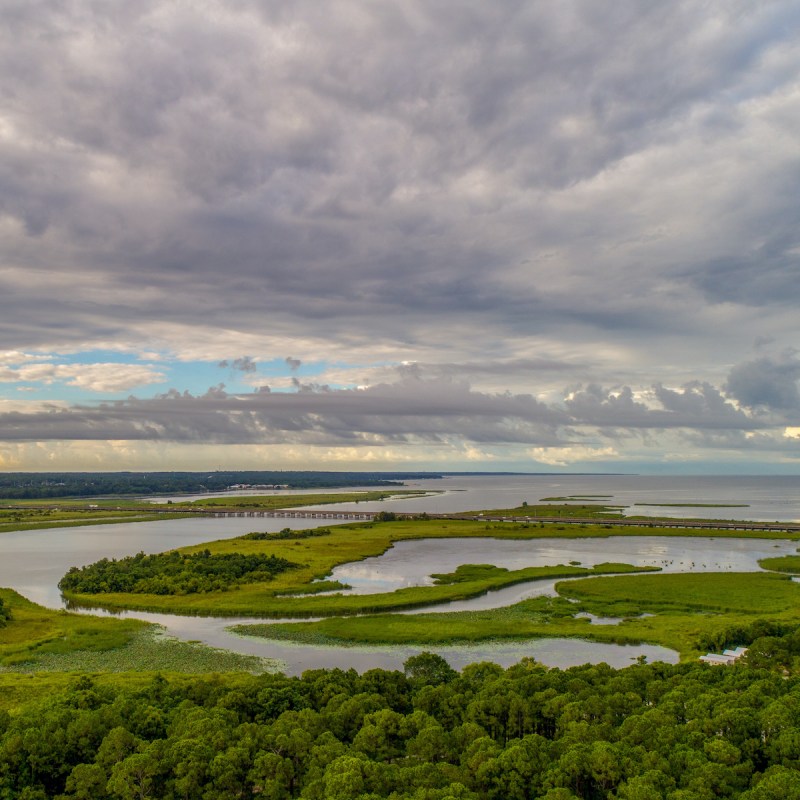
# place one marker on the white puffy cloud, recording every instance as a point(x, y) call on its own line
point(104, 377)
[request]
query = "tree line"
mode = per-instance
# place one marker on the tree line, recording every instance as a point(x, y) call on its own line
point(676, 732)
point(173, 573)
point(286, 533)
point(30, 485)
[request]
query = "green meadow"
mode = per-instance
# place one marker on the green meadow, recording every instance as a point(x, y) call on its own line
point(32, 631)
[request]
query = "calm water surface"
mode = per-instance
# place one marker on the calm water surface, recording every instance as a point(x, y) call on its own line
point(767, 498)
point(32, 562)
point(297, 658)
point(411, 563)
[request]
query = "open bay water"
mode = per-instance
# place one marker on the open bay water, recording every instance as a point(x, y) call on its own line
point(760, 498)
point(32, 562)
point(410, 563)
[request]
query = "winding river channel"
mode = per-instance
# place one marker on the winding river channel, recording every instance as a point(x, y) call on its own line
point(32, 562)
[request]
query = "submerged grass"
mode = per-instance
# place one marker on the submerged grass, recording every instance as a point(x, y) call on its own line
point(39, 639)
point(33, 631)
point(148, 650)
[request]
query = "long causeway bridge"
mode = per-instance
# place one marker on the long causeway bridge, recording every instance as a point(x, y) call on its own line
point(359, 516)
point(368, 516)
point(338, 515)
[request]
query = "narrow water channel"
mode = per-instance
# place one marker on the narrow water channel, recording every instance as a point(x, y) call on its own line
point(32, 563)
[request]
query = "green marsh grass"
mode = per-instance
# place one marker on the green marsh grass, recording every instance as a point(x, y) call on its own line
point(277, 502)
point(34, 630)
point(42, 639)
point(679, 623)
point(148, 650)
point(675, 611)
point(256, 602)
point(789, 564)
point(21, 519)
point(741, 593)
point(355, 542)
point(18, 515)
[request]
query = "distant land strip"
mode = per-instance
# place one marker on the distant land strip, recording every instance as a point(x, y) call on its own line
point(369, 516)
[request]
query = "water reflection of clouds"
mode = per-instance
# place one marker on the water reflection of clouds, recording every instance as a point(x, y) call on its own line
point(370, 580)
point(411, 563)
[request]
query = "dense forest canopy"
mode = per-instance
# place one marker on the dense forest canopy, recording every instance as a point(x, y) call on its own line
point(174, 573)
point(687, 732)
point(29, 485)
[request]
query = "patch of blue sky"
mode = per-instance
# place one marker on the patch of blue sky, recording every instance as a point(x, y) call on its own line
point(195, 377)
point(64, 380)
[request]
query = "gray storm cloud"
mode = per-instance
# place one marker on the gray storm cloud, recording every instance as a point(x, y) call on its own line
point(602, 195)
point(435, 410)
point(767, 383)
point(297, 160)
point(415, 409)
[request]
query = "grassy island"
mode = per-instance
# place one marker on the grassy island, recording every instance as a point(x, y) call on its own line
point(680, 611)
point(685, 612)
point(790, 564)
point(316, 555)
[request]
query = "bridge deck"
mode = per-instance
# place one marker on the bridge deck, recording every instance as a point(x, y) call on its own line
point(728, 525)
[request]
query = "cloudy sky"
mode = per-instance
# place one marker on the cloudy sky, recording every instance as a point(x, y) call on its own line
point(378, 235)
